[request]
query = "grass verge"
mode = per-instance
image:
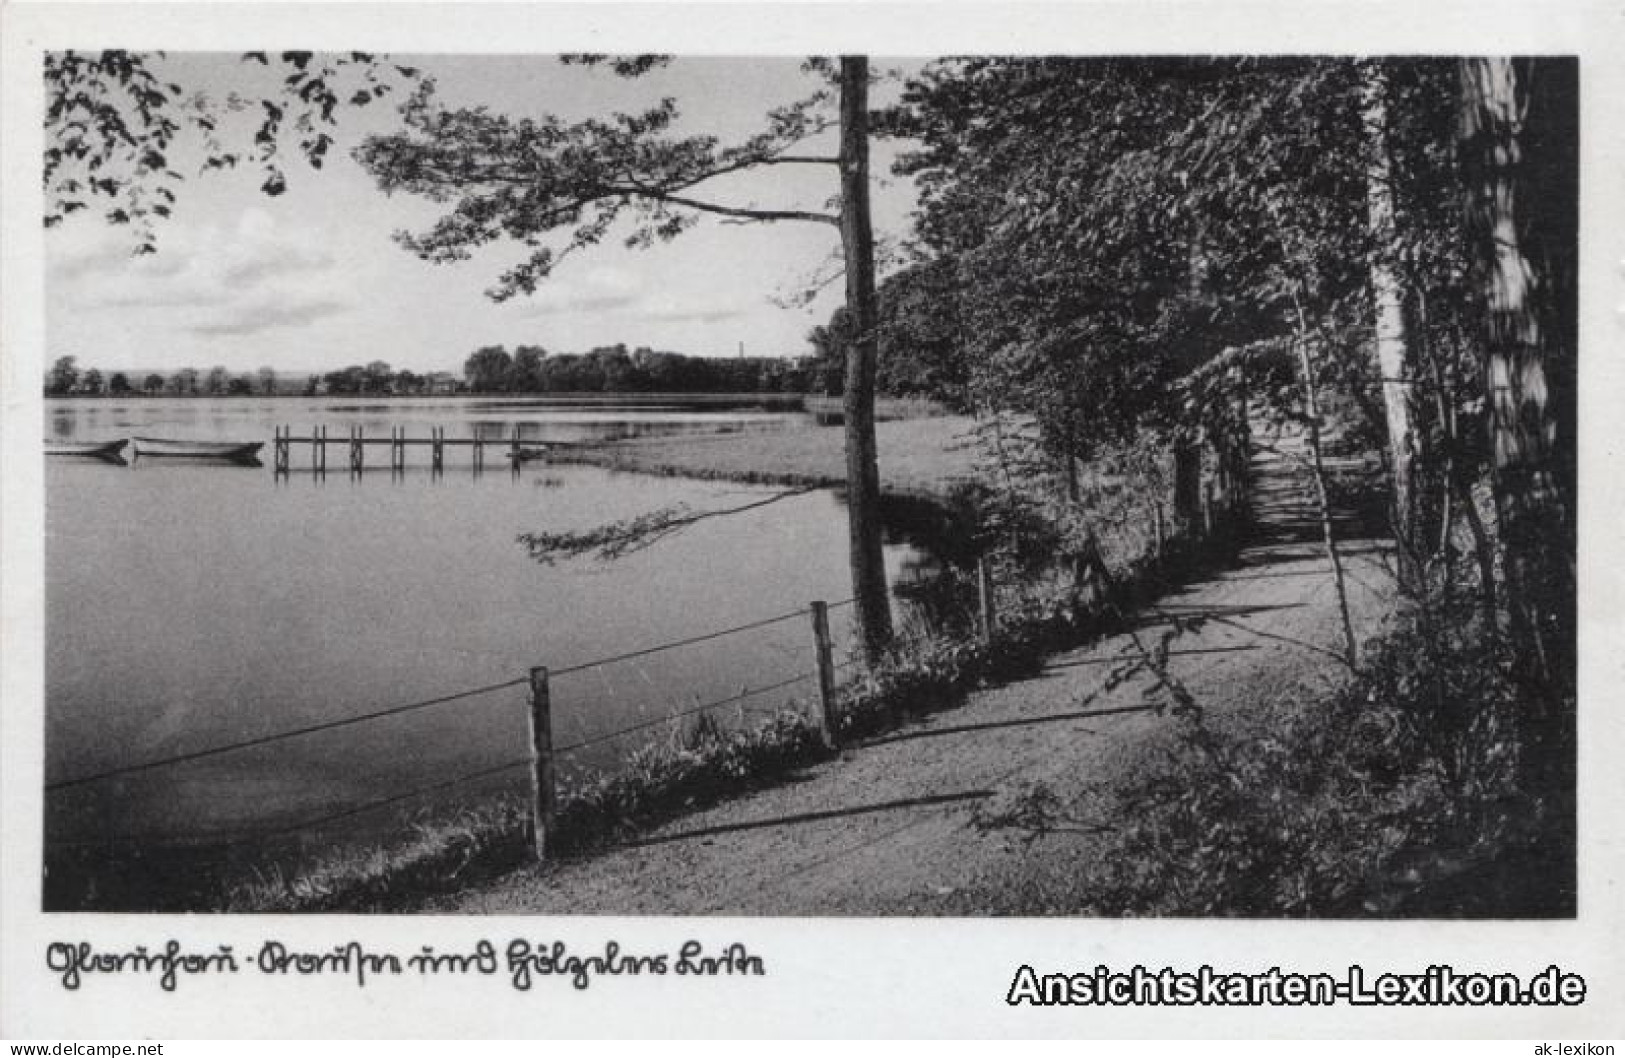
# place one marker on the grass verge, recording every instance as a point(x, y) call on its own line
point(919, 456)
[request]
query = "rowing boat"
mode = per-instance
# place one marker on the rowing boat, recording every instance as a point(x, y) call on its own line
point(84, 448)
point(156, 446)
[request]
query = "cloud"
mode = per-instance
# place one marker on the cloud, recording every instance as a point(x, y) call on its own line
point(246, 319)
point(599, 290)
point(255, 275)
point(627, 294)
point(674, 310)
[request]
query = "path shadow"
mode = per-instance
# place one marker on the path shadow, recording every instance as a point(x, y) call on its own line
point(1113, 658)
point(1169, 613)
point(811, 817)
point(994, 725)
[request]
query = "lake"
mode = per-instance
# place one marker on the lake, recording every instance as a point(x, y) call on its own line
point(193, 604)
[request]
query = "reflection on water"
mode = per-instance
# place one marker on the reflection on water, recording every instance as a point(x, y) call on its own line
point(537, 418)
point(192, 603)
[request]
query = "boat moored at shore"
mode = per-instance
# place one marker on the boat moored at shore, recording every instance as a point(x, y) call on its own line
point(94, 449)
point(233, 450)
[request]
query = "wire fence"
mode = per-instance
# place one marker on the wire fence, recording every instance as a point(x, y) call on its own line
point(486, 691)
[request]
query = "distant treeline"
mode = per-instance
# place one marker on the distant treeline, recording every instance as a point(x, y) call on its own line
point(490, 369)
point(615, 369)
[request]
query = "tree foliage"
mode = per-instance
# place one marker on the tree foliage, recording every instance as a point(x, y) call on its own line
point(1135, 244)
point(120, 133)
point(529, 180)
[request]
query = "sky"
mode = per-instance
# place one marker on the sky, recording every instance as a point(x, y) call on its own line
point(312, 280)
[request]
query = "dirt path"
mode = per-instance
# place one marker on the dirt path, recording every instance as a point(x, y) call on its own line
point(887, 828)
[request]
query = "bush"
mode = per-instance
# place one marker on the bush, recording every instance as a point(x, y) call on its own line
point(659, 781)
point(1397, 796)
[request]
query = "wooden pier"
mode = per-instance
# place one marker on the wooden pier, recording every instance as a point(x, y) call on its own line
point(284, 442)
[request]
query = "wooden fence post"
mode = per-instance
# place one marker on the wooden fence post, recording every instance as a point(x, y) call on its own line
point(1162, 528)
point(1207, 507)
point(541, 762)
point(984, 592)
point(826, 673)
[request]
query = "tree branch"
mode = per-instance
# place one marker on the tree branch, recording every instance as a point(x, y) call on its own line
point(628, 536)
point(732, 211)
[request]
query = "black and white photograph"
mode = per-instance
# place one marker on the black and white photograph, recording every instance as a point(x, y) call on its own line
point(1001, 485)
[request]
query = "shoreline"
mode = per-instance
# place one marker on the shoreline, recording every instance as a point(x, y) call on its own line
point(921, 458)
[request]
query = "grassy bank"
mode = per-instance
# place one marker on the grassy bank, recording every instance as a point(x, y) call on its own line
point(918, 456)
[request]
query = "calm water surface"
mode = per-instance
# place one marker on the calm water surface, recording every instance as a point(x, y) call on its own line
point(193, 604)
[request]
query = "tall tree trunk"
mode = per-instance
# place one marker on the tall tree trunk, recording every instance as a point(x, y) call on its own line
point(1317, 466)
point(1519, 156)
point(1187, 483)
point(862, 469)
point(1393, 363)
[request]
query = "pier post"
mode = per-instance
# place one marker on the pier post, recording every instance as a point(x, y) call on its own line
point(479, 451)
point(987, 609)
point(437, 448)
point(541, 762)
point(826, 673)
point(322, 448)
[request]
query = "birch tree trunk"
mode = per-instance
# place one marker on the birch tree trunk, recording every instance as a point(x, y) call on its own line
point(862, 467)
point(1393, 363)
point(1519, 155)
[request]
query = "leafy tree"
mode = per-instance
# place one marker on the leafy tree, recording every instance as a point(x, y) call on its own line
point(266, 378)
point(217, 381)
point(828, 341)
point(184, 382)
point(119, 384)
point(529, 375)
point(153, 385)
point(63, 376)
point(376, 377)
point(922, 349)
point(489, 369)
point(349, 381)
point(91, 382)
point(529, 180)
point(1049, 187)
point(922, 346)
